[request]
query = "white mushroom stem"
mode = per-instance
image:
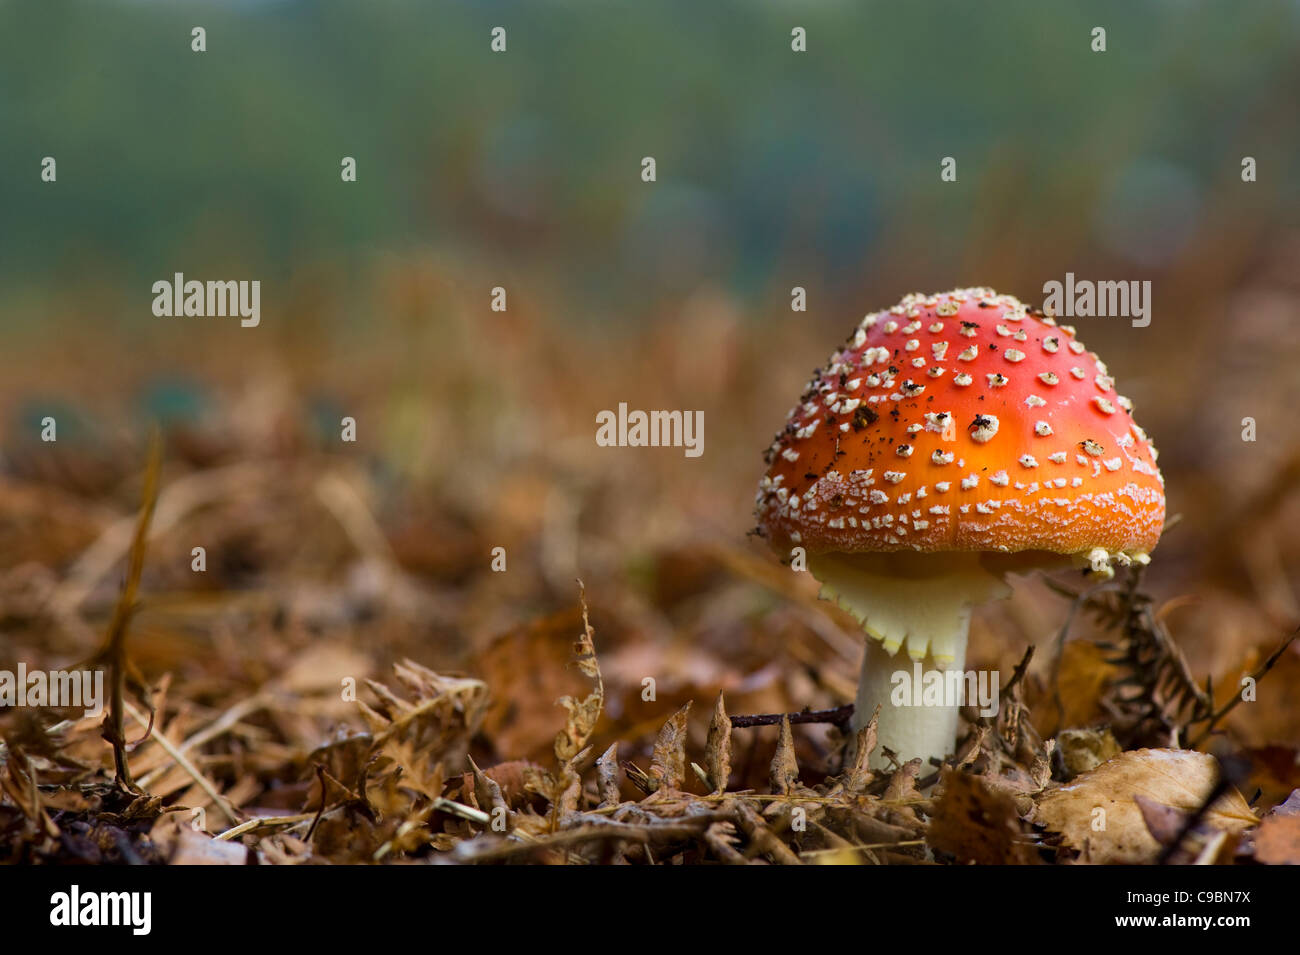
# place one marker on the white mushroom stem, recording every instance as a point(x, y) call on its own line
point(913, 728)
point(921, 603)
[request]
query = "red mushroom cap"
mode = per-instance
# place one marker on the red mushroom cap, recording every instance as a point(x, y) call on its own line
point(962, 422)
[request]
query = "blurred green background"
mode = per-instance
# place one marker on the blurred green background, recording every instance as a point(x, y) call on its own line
point(775, 168)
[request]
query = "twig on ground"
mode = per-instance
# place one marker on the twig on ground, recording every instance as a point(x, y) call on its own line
point(839, 716)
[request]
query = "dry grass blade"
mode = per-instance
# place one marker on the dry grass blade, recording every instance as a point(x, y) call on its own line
point(18, 781)
point(178, 755)
point(114, 654)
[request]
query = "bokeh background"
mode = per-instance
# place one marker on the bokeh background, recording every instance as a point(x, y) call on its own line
point(476, 428)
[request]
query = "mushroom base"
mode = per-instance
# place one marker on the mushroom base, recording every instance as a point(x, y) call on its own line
point(908, 725)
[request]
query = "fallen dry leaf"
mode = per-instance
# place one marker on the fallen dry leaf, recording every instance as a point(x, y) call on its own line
point(717, 750)
point(975, 823)
point(1083, 678)
point(668, 765)
point(528, 669)
point(1098, 815)
point(185, 846)
point(1278, 841)
point(784, 774)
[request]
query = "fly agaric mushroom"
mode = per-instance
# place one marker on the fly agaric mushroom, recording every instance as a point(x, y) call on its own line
point(952, 439)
